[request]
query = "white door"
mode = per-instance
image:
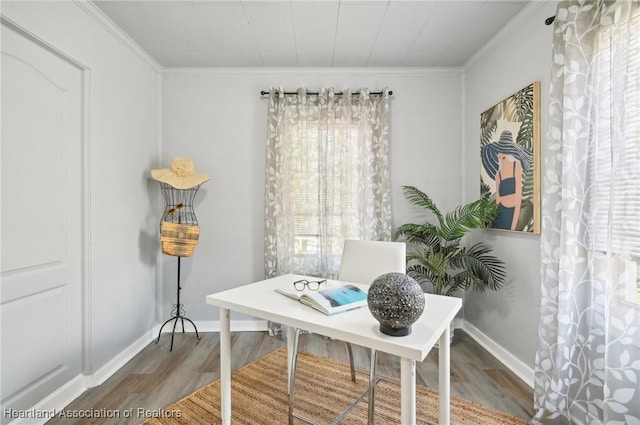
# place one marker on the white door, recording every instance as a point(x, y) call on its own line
point(40, 290)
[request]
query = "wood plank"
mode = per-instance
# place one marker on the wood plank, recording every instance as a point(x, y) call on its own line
point(156, 377)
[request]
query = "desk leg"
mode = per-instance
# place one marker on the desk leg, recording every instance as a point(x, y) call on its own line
point(444, 380)
point(225, 367)
point(407, 391)
point(372, 387)
point(291, 343)
point(292, 357)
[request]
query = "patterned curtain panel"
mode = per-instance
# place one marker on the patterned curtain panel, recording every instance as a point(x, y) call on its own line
point(327, 178)
point(587, 368)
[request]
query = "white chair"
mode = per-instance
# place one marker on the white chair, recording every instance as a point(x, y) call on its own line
point(362, 262)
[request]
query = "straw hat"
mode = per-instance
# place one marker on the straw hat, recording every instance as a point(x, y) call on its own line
point(181, 175)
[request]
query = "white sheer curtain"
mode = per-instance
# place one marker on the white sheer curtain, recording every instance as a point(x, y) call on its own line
point(327, 178)
point(587, 367)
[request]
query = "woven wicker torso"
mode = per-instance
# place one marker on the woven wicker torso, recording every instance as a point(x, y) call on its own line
point(179, 230)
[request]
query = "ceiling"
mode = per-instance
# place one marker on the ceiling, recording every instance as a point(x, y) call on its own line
point(307, 33)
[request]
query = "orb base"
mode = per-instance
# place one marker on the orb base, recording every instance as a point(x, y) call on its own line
point(388, 330)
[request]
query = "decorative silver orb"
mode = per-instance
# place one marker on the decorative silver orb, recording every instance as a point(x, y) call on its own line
point(396, 301)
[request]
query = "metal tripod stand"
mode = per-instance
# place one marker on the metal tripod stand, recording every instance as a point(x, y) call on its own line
point(177, 314)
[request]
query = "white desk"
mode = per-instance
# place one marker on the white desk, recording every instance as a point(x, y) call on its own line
point(356, 326)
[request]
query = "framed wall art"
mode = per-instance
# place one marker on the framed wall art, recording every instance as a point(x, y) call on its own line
point(510, 160)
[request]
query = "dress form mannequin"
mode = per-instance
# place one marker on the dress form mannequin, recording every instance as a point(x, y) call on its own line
point(179, 204)
point(179, 226)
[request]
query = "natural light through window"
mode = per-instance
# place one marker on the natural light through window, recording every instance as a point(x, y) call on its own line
point(339, 157)
point(327, 177)
point(616, 200)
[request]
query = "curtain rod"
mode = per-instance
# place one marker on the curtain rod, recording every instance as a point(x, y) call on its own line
point(293, 93)
point(550, 20)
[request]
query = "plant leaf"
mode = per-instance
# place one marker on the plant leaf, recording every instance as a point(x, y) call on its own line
point(467, 217)
point(417, 233)
point(439, 260)
point(421, 199)
point(488, 271)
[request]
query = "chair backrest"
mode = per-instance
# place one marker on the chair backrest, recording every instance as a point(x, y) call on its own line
point(363, 261)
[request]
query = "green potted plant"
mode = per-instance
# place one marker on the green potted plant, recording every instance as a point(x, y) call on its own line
point(436, 256)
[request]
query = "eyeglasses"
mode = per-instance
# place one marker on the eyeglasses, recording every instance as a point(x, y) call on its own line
point(313, 285)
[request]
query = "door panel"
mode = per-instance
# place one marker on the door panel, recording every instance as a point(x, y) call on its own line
point(33, 186)
point(20, 312)
point(40, 297)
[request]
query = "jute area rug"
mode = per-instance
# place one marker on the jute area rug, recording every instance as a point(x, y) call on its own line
point(323, 390)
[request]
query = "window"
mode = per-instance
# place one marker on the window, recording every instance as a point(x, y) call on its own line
point(322, 173)
point(327, 178)
point(615, 204)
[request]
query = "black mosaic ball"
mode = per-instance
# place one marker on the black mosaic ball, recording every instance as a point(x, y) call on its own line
point(396, 301)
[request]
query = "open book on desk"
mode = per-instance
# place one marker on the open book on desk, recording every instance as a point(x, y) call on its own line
point(331, 299)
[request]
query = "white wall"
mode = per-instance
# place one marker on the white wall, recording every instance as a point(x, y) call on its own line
point(509, 317)
point(124, 140)
point(218, 118)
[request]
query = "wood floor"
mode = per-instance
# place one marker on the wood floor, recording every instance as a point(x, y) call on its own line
point(155, 377)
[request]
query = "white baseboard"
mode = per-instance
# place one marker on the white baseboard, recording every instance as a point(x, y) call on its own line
point(53, 403)
point(214, 326)
point(106, 371)
point(71, 390)
point(517, 366)
point(130, 352)
point(458, 323)
point(60, 398)
point(236, 326)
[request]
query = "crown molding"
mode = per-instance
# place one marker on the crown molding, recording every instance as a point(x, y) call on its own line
point(514, 23)
point(309, 71)
point(99, 16)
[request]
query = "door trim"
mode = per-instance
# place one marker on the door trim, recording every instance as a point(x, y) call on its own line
point(85, 201)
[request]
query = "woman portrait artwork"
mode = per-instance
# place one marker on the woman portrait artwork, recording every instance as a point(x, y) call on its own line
point(508, 148)
point(504, 162)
